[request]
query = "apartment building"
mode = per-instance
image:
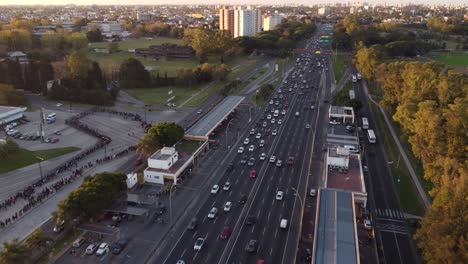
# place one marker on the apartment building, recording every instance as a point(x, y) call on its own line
point(270, 21)
point(247, 22)
point(226, 20)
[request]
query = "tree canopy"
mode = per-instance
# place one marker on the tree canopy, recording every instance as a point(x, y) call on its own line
point(162, 134)
point(430, 102)
point(133, 74)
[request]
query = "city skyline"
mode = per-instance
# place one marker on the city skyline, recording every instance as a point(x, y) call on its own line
point(211, 2)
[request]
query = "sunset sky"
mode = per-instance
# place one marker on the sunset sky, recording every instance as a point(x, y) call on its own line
point(155, 2)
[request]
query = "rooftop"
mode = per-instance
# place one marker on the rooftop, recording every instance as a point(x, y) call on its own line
point(211, 120)
point(350, 179)
point(10, 110)
point(335, 231)
point(341, 110)
point(163, 154)
point(337, 135)
point(183, 157)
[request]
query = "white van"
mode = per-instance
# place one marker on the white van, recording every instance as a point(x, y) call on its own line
point(52, 116)
point(284, 223)
point(78, 242)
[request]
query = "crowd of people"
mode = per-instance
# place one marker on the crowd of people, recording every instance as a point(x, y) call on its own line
point(37, 192)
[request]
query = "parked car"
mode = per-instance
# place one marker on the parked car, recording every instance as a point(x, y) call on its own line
point(118, 246)
point(102, 249)
point(91, 249)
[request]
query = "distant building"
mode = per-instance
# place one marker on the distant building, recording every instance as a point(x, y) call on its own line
point(9, 114)
point(324, 11)
point(108, 28)
point(143, 17)
point(342, 114)
point(271, 21)
point(247, 22)
point(226, 20)
point(68, 26)
point(18, 55)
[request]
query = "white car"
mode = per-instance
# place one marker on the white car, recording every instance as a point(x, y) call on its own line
point(199, 244)
point(227, 207)
point(246, 141)
point(274, 132)
point(272, 159)
point(367, 224)
point(262, 156)
point(264, 124)
point(90, 249)
point(58, 105)
point(283, 112)
point(227, 186)
point(273, 121)
point(213, 212)
point(258, 136)
point(307, 126)
point(280, 121)
point(279, 195)
point(279, 163)
point(215, 189)
point(251, 148)
point(262, 143)
point(241, 150)
point(271, 102)
point(268, 117)
point(102, 249)
point(334, 122)
point(252, 131)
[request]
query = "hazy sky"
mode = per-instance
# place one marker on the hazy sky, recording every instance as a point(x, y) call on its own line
point(155, 2)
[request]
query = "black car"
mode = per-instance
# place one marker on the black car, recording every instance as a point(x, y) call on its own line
point(230, 167)
point(251, 246)
point(243, 160)
point(250, 220)
point(118, 246)
point(193, 224)
point(243, 199)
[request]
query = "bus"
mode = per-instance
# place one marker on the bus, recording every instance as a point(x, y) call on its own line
point(365, 123)
point(371, 136)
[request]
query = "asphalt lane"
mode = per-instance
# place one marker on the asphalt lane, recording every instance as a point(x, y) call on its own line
point(290, 139)
point(389, 222)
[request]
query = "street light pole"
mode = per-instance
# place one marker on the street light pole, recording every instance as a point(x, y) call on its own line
point(227, 128)
point(296, 193)
point(40, 167)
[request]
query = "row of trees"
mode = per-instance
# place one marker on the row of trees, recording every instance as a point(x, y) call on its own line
point(29, 77)
point(9, 96)
point(26, 251)
point(342, 98)
point(357, 30)
point(132, 74)
point(430, 102)
point(83, 82)
point(453, 25)
point(164, 134)
point(95, 194)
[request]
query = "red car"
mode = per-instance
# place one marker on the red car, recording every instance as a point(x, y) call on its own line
point(138, 161)
point(226, 233)
point(291, 161)
point(54, 140)
point(253, 174)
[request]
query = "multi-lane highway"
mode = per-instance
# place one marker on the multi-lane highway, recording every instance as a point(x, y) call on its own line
point(259, 218)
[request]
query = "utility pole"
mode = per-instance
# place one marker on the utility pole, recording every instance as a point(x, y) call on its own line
point(41, 131)
point(40, 167)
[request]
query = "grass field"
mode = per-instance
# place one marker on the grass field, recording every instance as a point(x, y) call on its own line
point(26, 157)
point(452, 59)
point(339, 63)
point(138, 43)
point(160, 95)
point(409, 198)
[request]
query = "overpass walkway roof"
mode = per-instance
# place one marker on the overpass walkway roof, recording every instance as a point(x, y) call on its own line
point(203, 128)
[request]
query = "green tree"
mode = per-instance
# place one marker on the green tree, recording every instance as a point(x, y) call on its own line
point(133, 74)
point(77, 64)
point(94, 35)
point(367, 60)
point(38, 239)
point(77, 41)
point(14, 252)
point(222, 71)
point(158, 136)
point(53, 41)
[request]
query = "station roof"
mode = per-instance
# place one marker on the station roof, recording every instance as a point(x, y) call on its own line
point(335, 230)
point(350, 179)
point(211, 120)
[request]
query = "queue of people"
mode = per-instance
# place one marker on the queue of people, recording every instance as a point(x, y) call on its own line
point(36, 193)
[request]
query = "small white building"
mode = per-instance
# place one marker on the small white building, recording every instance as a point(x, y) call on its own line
point(163, 165)
point(343, 114)
point(132, 180)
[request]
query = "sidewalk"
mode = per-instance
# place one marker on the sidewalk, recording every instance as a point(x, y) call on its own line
point(422, 193)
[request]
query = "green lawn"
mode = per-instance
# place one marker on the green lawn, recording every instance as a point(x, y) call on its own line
point(26, 157)
point(249, 81)
point(139, 43)
point(409, 197)
point(452, 59)
point(340, 62)
point(111, 62)
point(160, 95)
point(201, 97)
point(188, 145)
